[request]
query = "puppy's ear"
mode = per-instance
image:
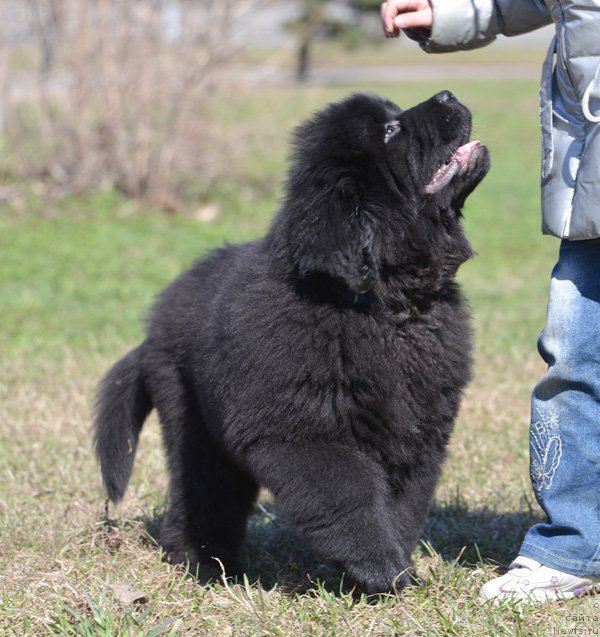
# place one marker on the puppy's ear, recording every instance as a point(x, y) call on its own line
point(338, 238)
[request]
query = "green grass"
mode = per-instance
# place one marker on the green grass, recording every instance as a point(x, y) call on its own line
point(77, 277)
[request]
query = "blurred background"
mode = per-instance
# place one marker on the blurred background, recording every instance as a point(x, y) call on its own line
point(125, 94)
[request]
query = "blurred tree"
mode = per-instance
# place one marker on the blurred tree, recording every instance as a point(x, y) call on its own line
point(48, 15)
point(366, 5)
point(315, 22)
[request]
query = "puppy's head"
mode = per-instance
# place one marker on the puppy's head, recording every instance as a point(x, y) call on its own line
point(430, 153)
point(374, 188)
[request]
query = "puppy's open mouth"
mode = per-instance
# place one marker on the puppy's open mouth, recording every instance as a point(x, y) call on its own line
point(456, 165)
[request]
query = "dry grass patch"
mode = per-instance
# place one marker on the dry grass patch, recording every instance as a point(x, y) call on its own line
point(60, 560)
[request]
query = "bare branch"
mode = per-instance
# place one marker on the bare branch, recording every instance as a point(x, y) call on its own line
point(122, 85)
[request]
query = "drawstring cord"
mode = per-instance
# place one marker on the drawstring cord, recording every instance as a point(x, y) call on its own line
point(585, 101)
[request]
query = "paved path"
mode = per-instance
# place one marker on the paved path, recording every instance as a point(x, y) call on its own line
point(271, 76)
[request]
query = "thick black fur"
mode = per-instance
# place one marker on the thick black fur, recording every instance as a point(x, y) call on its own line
point(324, 361)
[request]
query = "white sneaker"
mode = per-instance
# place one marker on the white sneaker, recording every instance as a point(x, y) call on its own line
point(530, 581)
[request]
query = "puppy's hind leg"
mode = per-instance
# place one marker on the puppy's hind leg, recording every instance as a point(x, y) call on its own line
point(210, 498)
point(337, 498)
point(209, 502)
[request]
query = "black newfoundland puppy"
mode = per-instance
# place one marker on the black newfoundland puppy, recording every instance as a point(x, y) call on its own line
point(324, 361)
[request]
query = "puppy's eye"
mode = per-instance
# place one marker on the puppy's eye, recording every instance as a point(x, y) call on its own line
point(390, 130)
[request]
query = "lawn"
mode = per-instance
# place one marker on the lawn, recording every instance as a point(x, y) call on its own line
point(77, 276)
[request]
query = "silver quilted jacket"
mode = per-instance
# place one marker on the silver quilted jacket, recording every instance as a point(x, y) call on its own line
point(569, 95)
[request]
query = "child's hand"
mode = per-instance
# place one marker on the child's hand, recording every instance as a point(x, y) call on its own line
point(405, 14)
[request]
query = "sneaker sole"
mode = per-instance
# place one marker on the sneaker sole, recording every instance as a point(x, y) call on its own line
point(541, 596)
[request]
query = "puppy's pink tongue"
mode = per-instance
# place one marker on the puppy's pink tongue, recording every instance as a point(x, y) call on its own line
point(463, 153)
point(456, 165)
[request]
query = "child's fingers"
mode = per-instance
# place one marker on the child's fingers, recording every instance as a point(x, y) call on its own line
point(400, 14)
point(392, 8)
point(414, 19)
point(388, 13)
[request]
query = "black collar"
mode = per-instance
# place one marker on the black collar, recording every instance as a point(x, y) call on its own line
point(356, 298)
point(324, 289)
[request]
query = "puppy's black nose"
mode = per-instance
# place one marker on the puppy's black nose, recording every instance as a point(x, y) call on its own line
point(445, 97)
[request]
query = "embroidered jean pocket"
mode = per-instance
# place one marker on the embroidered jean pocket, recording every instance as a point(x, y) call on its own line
point(546, 111)
point(545, 451)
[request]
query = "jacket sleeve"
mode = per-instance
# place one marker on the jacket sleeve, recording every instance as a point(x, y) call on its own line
point(469, 24)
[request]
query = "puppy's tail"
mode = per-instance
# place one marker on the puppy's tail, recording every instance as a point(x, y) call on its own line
point(122, 405)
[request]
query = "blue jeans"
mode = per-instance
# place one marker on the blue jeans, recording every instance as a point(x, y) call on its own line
point(565, 418)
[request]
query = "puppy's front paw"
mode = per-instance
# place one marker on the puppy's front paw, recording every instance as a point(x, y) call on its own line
point(389, 577)
point(406, 579)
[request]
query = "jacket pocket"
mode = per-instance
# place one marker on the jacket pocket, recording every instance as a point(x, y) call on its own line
point(546, 111)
